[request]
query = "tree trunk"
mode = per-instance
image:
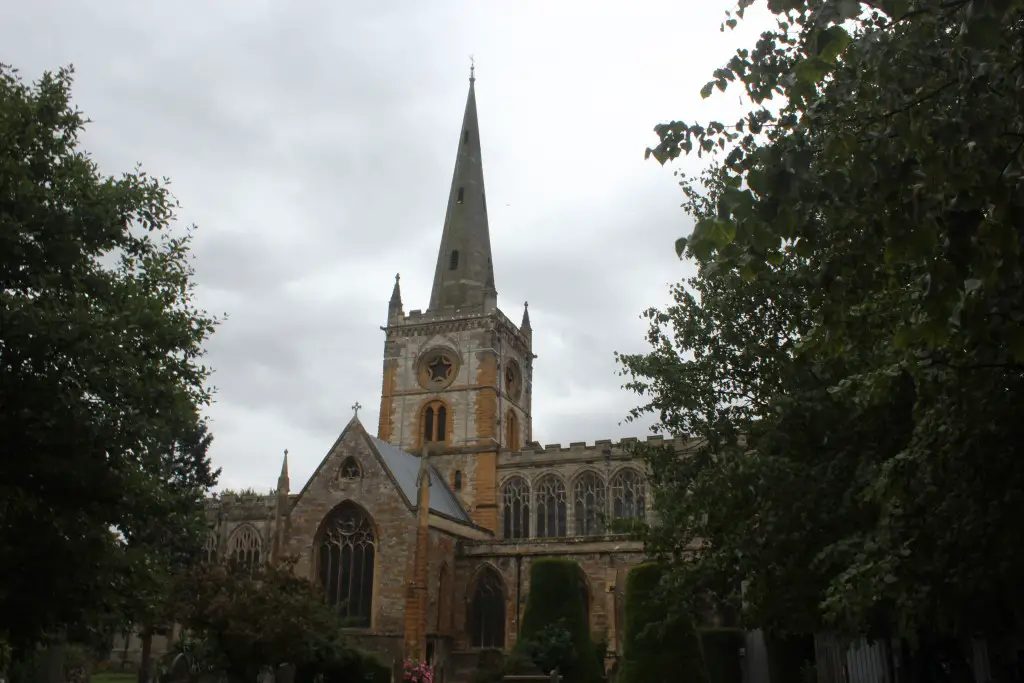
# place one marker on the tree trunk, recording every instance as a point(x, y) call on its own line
point(146, 634)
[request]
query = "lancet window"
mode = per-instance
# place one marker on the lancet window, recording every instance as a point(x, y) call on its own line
point(486, 618)
point(515, 508)
point(589, 509)
point(550, 502)
point(629, 495)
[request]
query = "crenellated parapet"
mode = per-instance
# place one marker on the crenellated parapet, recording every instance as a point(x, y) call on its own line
point(584, 452)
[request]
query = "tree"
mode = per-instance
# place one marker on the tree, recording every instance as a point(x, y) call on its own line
point(169, 542)
point(851, 351)
point(100, 355)
point(253, 619)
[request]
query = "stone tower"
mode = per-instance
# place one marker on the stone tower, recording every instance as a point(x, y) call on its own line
point(458, 376)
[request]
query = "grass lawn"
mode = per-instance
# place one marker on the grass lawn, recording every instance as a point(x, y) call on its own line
point(113, 677)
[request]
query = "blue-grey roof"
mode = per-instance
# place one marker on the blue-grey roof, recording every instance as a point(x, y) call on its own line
point(406, 467)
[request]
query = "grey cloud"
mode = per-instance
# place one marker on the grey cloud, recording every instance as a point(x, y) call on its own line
point(312, 143)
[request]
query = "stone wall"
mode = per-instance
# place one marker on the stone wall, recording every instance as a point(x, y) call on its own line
point(604, 564)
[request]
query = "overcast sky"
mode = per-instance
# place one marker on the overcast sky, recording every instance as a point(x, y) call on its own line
point(312, 143)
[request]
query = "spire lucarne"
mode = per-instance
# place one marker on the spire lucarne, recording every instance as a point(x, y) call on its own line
point(464, 270)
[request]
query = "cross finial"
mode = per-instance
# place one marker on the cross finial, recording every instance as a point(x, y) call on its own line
point(472, 68)
point(356, 407)
point(286, 452)
point(397, 277)
point(526, 304)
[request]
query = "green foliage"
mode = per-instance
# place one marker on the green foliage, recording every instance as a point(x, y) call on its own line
point(721, 648)
point(248, 620)
point(555, 631)
point(100, 352)
point(850, 353)
point(656, 648)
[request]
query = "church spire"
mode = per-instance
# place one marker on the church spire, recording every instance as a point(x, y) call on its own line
point(464, 273)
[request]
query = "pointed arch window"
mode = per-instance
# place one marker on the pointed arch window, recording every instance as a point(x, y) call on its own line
point(515, 508)
point(457, 480)
point(210, 547)
point(551, 507)
point(486, 618)
point(435, 422)
point(346, 556)
point(350, 469)
point(453, 261)
point(588, 501)
point(512, 431)
point(461, 195)
point(629, 495)
point(246, 547)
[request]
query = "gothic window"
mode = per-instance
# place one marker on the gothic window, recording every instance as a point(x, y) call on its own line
point(462, 192)
point(629, 495)
point(345, 558)
point(210, 548)
point(551, 507)
point(444, 601)
point(457, 480)
point(454, 260)
point(245, 547)
point(588, 501)
point(350, 469)
point(515, 508)
point(487, 611)
point(512, 431)
point(435, 422)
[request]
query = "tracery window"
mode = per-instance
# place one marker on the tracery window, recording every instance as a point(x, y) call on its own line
point(588, 496)
point(345, 558)
point(515, 508)
point(486, 622)
point(551, 507)
point(629, 495)
point(246, 547)
point(350, 469)
point(210, 547)
point(435, 422)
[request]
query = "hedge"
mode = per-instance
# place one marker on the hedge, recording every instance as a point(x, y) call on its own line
point(672, 654)
point(555, 597)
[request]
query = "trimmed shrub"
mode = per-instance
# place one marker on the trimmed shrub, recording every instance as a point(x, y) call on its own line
point(555, 607)
point(722, 653)
point(664, 653)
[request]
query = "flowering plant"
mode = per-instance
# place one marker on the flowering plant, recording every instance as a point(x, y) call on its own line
point(417, 672)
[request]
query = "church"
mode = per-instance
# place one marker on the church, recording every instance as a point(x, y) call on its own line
point(422, 528)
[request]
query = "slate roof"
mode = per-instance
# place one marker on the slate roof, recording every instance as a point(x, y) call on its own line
point(405, 467)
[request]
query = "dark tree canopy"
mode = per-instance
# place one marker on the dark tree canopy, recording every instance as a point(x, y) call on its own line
point(851, 350)
point(101, 374)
